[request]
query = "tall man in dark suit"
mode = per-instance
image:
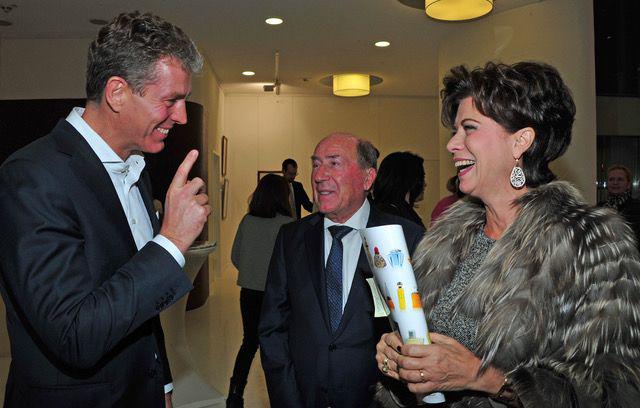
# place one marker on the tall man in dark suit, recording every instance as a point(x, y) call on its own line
point(317, 330)
point(85, 266)
point(299, 197)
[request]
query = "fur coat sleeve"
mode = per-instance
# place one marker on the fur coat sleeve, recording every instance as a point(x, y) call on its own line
point(557, 298)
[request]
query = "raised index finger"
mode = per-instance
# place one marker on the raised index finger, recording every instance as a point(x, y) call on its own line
point(182, 173)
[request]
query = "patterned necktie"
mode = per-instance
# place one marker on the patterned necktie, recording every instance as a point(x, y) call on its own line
point(333, 272)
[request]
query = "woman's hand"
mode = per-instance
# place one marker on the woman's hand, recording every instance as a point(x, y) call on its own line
point(387, 354)
point(445, 365)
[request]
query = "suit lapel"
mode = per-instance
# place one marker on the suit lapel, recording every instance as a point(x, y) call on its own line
point(88, 168)
point(314, 243)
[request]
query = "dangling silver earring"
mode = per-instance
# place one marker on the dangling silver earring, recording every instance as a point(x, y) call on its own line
point(517, 176)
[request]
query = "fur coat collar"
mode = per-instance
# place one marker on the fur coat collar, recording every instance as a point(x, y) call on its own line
point(557, 298)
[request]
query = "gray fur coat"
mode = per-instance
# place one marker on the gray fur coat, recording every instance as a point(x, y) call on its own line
point(557, 298)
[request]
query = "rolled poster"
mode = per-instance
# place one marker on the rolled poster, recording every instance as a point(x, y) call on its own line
point(389, 259)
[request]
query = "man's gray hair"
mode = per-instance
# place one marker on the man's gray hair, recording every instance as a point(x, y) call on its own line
point(367, 154)
point(130, 46)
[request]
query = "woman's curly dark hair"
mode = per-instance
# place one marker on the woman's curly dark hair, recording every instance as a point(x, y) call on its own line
point(525, 94)
point(271, 197)
point(400, 173)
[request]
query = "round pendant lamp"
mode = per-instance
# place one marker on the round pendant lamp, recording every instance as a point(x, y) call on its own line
point(457, 10)
point(350, 85)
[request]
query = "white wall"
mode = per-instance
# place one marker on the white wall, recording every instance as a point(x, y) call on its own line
point(42, 68)
point(558, 32)
point(265, 129)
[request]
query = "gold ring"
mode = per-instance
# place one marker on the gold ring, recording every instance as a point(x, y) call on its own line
point(385, 365)
point(422, 376)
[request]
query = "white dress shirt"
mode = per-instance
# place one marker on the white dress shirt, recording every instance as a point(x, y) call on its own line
point(124, 176)
point(351, 244)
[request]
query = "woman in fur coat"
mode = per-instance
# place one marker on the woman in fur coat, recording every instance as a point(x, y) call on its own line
point(532, 296)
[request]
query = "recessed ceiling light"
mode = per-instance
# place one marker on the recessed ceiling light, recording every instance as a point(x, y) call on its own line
point(5, 23)
point(274, 21)
point(98, 21)
point(382, 44)
point(248, 73)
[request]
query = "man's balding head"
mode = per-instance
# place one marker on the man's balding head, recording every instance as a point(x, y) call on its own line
point(344, 168)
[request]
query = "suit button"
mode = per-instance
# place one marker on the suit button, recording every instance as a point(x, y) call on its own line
point(332, 347)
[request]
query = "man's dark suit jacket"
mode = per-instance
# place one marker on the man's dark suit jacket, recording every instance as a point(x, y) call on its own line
point(301, 198)
point(630, 211)
point(305, 364)
point(82, 302)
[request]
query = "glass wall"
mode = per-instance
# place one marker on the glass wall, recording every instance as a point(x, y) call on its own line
point(617, 57)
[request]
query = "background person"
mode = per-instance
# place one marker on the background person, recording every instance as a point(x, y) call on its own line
point(317, 329)
point(299, 197)
point(619, 196)
point(86, 266)
point(531, 294)
point(252, 248)
point(399, 185)
point(446, 202)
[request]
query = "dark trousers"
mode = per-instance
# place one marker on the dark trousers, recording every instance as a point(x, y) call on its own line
point(250, 305)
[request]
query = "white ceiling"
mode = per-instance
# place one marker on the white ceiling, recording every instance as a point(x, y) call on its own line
point(318, 37)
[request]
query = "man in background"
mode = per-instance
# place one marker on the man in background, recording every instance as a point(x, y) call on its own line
point(298, 197)
point(85, 265)
point(317, 328)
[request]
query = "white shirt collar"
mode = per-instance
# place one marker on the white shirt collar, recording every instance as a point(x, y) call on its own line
point(134, 164)
point(357, 221)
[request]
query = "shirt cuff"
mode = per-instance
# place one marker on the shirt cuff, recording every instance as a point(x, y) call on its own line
point(168, 388)
point(170, 248)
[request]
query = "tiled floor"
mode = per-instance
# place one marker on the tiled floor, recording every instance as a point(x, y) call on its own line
point(214, 333)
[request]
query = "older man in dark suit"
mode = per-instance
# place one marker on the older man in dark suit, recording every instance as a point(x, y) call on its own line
point(85, 266)
point(317, 330)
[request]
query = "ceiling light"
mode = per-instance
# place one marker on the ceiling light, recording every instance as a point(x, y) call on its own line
point(330, 82)
point(350, 85)
point(457, 10)
point(274, 21)
point(382, 44)
point(248, 73)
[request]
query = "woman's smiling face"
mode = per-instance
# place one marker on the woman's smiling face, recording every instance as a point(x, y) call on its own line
point(482, 152)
